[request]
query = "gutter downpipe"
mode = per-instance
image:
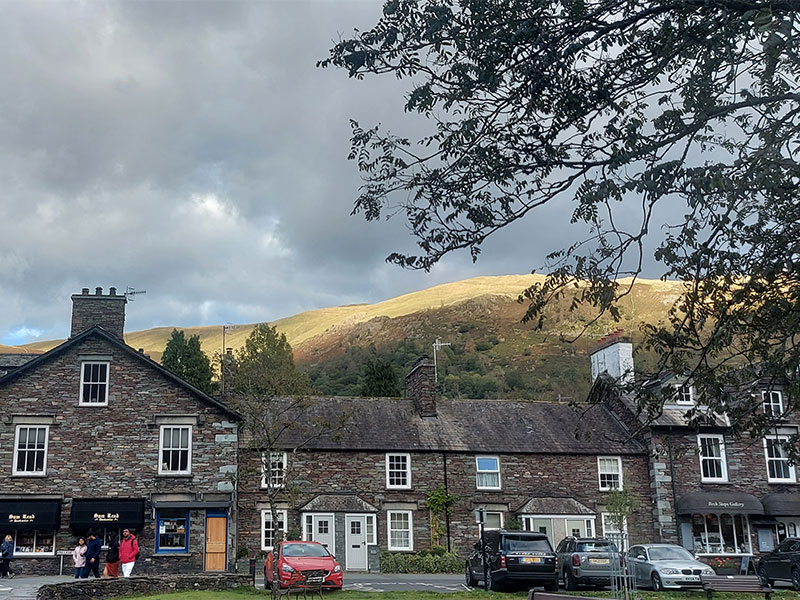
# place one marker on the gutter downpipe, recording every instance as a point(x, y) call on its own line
point(447, 510)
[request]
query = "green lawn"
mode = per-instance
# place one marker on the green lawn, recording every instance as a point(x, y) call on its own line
point(250, 593)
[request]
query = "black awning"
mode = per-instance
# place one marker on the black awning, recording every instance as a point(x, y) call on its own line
point(44, 515)
point(107, 512)
point(210, 504)
point(732, 503)
point(780, 505)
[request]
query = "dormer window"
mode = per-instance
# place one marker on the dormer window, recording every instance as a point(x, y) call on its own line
point(685, 395)
point(773, 403)
point(94, 383)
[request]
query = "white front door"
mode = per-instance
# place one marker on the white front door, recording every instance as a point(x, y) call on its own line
point(356, 540)
point(323, 531)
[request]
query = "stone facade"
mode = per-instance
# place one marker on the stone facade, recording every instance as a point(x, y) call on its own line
point(105, 451)
point(107, 311)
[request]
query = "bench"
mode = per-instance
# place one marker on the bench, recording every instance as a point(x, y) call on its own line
point(735, 583)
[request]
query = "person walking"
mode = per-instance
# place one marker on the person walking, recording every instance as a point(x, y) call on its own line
point(93, 547)
point(79, 558)
point(7, 553)
point(128, 552)
point(112, 556)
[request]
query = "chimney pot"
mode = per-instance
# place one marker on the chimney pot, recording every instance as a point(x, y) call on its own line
point(89, 310)
point(112, 291)
point(421, 387)
point(228, 350)
point(85, 291)
point(98, 291)
point(141, 350)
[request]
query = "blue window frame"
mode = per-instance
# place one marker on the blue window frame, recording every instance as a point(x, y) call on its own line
point(173, 531)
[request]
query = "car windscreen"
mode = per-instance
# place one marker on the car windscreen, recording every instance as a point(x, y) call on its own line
point(304, 550)
point(525, 544)
point(670, 553)
point(596, 547)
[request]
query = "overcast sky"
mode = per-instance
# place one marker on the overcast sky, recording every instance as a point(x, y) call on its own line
point(194, 150)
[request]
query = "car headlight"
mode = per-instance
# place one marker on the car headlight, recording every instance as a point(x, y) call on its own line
point(668, 571)
point(337, 569)
point(287, 568)
point(709, 572)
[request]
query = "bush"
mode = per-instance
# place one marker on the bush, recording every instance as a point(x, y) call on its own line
point(424, 561)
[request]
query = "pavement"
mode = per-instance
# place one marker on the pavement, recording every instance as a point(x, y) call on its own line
point(24, 587)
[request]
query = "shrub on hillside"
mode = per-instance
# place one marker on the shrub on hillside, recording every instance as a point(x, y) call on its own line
point(423, 561)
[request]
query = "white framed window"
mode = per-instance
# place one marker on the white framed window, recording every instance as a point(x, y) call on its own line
point(372, 531)
point(276, 466)
point(94, 383)
point(399, 524)
point(175, 450)
point(494, 519)
point(612, 531)
point(772, 402)
point(269, 530)
point(30, 450)
point(487, 472)
point(779, 469)
point(609, 472)
point(32, 542)
point(398, 471)
point(684, 394)
point(711, 448)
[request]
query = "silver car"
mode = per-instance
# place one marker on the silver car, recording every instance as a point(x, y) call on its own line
point(663, 566)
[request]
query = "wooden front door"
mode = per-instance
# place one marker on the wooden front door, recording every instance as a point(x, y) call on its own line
point(216, 543)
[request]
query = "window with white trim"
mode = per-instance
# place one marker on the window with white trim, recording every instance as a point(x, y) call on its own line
point(609, 472)
point(772, 402)
point(779, 468)
point(372, 531)
point(711, 448)
point(175, 450)
point(400, 529)
point(34, 543)
point(94, 383)
point(494, 519)
point(684, 394)
point(487, 472)
point(30, 450)
point(612, 531)
point(398, 471)
point(268, 530)
point(276, 466)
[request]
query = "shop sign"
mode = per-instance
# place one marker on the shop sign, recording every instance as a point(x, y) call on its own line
point(721, 504)
point(21, 518)
point(108, 517)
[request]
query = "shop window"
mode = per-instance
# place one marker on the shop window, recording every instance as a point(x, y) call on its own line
point(721, 534)
point(94, 383)
point(276, 467)
point(609, 469)
point(779, 468)
point(712, 458)
point(32, 542)
point(398, 471)
point(488, 472)
point(400, 533)
point(269, 530)
point(30, 457)
point(176, 450)
point(173, 530)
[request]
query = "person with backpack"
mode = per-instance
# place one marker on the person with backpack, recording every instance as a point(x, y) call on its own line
point(93, 547)
point(128, 552)
point(7, 553)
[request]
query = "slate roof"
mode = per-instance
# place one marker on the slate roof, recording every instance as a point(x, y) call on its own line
point(114, 340)
point(338, 503)
point(497, 426)
point(11, 362)
point(554, 506)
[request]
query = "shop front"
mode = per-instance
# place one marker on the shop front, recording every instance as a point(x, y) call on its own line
point(106, 516)
point(782, 520)
point(717, 527)
point(191, 534)
point(32, 524)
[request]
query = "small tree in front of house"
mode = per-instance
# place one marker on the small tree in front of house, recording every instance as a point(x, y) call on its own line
point(620, 505)
point(279, 420)
point(440, 504)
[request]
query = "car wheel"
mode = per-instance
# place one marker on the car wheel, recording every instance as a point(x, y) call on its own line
point(796, 580)
point(569, 581)
point(655, 582)
point(491, 583)
point(762, 574)
point(469, 577)
point(551, 586)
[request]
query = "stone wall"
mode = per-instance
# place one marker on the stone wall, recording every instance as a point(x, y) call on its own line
point(139, 586)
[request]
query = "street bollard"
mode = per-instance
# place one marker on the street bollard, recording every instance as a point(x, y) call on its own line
point(253, 571)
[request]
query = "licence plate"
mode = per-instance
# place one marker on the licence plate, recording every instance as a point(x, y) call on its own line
point(598, 561)
point(532, 560)
point(692, 578)
point(314, 580)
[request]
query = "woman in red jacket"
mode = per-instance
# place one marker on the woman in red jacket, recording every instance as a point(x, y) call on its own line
point(128, 552)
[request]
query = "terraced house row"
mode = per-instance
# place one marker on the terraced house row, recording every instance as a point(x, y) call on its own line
point(96, 435)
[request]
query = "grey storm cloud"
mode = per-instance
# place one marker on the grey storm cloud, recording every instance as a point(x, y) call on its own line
point(194, 149)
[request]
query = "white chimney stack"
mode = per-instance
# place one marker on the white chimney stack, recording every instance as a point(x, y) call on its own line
point(614, 356)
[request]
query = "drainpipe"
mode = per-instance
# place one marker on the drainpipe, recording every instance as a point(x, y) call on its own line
point(678, 528)
point(447, 510)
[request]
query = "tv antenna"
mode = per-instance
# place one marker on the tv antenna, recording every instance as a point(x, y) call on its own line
point(130, 293)
point(437, 345)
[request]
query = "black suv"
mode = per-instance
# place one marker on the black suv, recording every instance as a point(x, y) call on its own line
point(782, 564)
point(513, 557)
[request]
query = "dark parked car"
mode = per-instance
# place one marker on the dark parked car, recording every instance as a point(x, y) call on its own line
point(782, 564)
point(521, 558)
point(587, 561)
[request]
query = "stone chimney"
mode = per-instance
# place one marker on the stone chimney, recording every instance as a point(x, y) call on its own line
point(614, 356)
point(421, 386)
point(105, 310)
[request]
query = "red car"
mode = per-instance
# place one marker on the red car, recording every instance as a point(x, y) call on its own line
point(301, 561)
